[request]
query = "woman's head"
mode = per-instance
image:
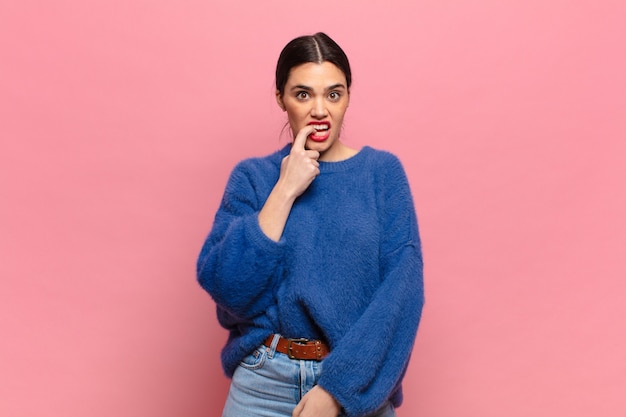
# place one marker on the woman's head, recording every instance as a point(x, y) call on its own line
point(317, 48)
point(313, 86)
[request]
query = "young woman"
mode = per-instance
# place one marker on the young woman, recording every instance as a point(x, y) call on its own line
point(314, 259)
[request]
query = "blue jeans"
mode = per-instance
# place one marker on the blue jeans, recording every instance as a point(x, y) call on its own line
point(269, 384)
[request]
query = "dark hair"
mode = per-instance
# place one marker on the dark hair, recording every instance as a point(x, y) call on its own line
point(316, 48)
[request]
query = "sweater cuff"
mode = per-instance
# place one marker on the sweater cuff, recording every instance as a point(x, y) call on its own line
point(261, 240)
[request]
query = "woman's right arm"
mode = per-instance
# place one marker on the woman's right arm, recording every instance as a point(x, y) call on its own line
point(240, 261)
point(238, 264)
point(297, 172)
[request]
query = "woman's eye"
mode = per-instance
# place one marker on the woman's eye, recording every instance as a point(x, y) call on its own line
point(302, 95)
point(334, 96)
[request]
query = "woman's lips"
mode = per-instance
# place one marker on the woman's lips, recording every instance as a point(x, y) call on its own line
point(322, 131)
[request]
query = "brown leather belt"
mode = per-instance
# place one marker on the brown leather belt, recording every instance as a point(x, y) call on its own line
point(300, 348)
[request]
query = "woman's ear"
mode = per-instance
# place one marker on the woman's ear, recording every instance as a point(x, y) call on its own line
point(279, 100)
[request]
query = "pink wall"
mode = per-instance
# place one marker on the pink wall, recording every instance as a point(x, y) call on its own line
point(120, 121)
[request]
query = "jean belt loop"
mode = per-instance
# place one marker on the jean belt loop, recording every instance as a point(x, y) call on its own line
point(272, 348)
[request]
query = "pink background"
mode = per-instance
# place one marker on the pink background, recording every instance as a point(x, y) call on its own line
point(120, 121)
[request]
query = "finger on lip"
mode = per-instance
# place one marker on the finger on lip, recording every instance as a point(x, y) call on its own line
point(309, 130)
point(302, 136)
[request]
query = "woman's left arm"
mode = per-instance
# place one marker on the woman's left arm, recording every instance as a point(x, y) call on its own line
point(369, 361)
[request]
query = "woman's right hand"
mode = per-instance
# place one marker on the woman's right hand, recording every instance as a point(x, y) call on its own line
point(300, 167)
point(297, 172)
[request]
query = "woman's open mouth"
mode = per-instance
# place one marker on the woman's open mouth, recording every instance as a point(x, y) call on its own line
point(322, 131)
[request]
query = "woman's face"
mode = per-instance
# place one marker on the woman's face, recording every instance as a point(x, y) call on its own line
point(316, 94)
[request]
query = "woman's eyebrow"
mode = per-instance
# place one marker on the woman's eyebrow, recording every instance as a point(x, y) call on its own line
point(301, 87)
point(336, 86)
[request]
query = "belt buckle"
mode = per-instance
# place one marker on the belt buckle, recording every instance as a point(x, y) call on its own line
point(289, 348)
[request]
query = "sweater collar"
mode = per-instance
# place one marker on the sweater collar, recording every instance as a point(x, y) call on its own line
point(327, 167)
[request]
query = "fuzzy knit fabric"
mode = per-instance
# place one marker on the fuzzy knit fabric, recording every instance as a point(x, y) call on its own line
point(347, 270)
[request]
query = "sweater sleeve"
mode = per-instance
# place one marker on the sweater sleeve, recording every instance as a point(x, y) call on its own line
point(238, 264)
point(366, 366)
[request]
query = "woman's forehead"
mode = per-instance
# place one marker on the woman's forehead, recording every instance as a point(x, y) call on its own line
point(314, 74)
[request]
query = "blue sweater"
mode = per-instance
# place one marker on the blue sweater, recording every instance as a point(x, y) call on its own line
point(347, 270)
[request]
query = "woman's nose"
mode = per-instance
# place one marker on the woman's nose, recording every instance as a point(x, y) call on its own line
point(319, 109)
